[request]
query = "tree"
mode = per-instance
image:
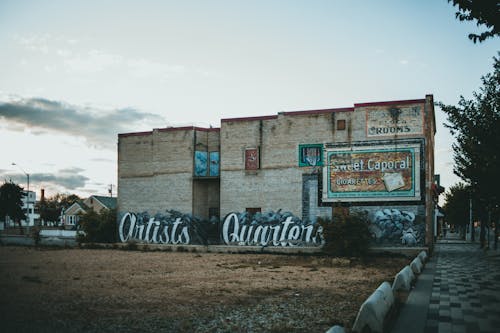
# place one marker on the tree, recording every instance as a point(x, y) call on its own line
point(50, 209)
point(11, 203)
point(486, 12)
point(99, 227)
point(474, 124)
point(457, 205)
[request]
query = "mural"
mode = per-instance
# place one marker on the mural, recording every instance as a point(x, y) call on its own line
point(394, 121)
point(170, 228)
point(270, 229)
point(310, 155)
point(200, 163)
point(214, 164)
point(366, 173)
point(397, 227)
point(252, 159)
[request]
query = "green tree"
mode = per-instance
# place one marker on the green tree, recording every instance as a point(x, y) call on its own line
point(485, 12)
point(11, 203)
point(474, 124)
point(457, 206)
point(50, 208)
point(99, 227)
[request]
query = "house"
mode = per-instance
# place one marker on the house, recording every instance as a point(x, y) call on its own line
point(71, 215)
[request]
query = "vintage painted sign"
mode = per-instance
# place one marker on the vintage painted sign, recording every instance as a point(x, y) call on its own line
point(372, 173)
point(389, 122)
point(311, 155)
point(252, 159)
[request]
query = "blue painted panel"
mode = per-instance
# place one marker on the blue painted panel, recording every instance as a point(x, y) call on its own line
point(214, 164)
point(200, 163)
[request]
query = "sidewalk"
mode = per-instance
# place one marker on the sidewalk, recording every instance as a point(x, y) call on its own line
point(458, 291)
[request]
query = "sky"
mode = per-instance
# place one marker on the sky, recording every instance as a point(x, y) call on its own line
point(74, 74)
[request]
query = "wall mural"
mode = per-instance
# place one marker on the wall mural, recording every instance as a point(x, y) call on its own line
point(394, 226)
point(310, 155)
point(170, 228)
point(270, 229)
point(200, 163)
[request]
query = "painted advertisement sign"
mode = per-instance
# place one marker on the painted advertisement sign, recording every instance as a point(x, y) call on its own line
point(252, 159)
point(311, 155)
point(394, 121)
point(367, 173)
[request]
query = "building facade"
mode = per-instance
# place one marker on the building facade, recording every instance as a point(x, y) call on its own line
point(377, 158)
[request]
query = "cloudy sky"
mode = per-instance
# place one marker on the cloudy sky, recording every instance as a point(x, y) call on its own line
point(74, 74)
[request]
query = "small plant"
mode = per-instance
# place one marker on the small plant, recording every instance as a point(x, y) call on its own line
point(346, 235)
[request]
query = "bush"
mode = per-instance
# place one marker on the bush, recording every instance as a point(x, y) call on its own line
point(346, 235)
point(98, 228)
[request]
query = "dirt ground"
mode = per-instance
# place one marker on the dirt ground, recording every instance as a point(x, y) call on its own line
point(82, 290)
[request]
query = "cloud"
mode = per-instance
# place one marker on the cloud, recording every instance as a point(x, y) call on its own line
point(69, 179)
point(99, 127)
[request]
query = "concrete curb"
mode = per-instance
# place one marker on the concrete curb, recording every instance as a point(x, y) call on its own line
point(423, 257)
point(403, 280)
point(416, 266)
point(336, 329)
point(374, 310)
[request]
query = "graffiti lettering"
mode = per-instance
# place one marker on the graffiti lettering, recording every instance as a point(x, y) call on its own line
point(153, 231)
point(289, 232)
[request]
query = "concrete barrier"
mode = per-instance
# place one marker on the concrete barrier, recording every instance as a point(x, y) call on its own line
point(416, 265)
point(336, 329)
point(58, 233)
point(403, 280)
point(423, 257)
point(374, 310)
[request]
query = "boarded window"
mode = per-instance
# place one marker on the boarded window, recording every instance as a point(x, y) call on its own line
point(341, 124)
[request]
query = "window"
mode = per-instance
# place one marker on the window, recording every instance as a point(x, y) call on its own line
point(341, 124)
point(213, 212)
point(253, 211)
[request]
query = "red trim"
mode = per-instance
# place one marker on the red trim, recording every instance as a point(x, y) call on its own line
point(248, 119)
point(189, 128)
point(320, 111)
point(122, 135)
point(408, 101)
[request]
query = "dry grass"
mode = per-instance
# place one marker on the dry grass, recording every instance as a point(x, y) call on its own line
point(74, 290)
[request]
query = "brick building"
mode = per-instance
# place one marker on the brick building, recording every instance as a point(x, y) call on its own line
point(373, 157)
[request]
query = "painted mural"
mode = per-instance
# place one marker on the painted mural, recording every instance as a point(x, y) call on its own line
point(366, 173)
point(270, 229)
point(214, 164)
point(310, 155)
point(200, 163)
point(252, 161)
point(396, 227)
point(394, 121)
point(170, 228)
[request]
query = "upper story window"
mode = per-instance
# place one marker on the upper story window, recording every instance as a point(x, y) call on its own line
point(206, 164)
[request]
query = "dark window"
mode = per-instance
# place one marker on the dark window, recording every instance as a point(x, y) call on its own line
point(213, 212)
point(341, 124)
point(252, 211)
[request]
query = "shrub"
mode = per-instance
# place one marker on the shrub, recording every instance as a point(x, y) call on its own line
point(346, 235)
point(99, 228)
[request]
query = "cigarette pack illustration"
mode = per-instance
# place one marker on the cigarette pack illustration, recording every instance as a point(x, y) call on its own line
point(393, 181)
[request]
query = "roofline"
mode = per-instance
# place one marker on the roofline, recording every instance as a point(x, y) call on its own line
point(319, 111)
point(171, 129)
point(405, 101)
point(225, 120)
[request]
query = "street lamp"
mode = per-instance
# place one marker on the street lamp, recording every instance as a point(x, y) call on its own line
point(28, 192)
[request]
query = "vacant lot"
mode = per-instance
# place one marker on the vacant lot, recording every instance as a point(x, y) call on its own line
point(76, 290)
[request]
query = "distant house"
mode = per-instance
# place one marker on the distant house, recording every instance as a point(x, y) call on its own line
point(71, 216)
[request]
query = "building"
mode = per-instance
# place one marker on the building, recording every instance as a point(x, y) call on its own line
point(71, 215)
point(377, 158)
